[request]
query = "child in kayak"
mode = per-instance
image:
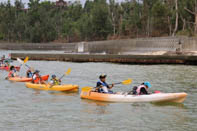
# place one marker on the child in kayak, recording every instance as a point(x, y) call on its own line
point(29, 73)
point(102, 86)
point(2, 60)
point(55, 81)
point(12, 72)
point(141, 89)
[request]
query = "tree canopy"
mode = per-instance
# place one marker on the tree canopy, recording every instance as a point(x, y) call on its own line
point(45, 21)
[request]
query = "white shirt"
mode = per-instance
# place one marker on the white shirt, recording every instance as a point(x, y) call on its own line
point(34, 76)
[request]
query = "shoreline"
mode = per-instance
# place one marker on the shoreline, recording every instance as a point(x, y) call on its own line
point(112, 58)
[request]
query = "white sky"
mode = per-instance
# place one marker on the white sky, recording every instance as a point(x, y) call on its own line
point(26, 1)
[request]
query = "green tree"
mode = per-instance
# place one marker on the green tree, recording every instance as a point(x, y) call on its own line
point(160, 13)
point(102, 26)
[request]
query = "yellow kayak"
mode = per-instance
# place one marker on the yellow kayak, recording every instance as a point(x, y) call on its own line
point(48, 87)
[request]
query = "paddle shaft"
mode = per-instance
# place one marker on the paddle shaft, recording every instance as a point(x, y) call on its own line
point(61, 76)
point(27, 66)
point(67, 73)
point(110, 84)
point(116, 83)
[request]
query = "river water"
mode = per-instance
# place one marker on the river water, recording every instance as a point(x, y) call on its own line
point(26, 109)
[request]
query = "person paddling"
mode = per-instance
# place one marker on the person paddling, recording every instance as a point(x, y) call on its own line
point(142, 89)
point(37, 78)
point(55, 80)
point(12, 72)
point(102, 86)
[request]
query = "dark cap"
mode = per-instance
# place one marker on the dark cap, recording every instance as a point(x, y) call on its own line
point(37, 71)
point(53, 76)
point(102, 76)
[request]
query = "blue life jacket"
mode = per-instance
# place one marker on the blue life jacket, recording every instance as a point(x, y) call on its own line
point(29, 74)
point(99, 83)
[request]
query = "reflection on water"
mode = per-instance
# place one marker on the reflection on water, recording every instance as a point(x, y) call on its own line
point(179, 105)
point(22, 108)
point(95, 107)
point(55, 93)
point(97, 103)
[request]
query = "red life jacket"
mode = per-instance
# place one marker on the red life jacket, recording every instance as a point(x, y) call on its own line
point(11, 74)
point(37, 79)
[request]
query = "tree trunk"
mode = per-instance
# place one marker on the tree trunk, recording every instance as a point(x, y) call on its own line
point(114, 25)
point(177, 18)
point(195, 13)
point(195, 28)
point(170, 26)
point(148, 26)
point(184, 22)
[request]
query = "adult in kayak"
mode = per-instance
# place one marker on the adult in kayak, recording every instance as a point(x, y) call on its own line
point(37, 78)
point(12, 72)
point(102, 86)
point(141, 89)
point(55, 80)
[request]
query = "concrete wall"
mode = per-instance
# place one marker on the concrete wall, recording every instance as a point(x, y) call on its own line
point(113, 46)
point(133, 45)
point(68, 47)
point(129, 59)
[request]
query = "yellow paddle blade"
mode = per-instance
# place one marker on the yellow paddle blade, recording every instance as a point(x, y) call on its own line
point(127, 82)
point(86, 88)
point(68, 71)
point(26, 59)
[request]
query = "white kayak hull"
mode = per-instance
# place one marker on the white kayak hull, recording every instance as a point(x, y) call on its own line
point(158, 97)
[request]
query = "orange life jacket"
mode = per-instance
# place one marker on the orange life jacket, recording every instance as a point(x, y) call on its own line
point(37, 79)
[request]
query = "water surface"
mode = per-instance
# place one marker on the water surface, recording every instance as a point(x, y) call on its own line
point(26, 109)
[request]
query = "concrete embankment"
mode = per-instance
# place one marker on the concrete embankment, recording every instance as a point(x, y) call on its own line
point(133, 51)
point(129, 59)
point(124, 46)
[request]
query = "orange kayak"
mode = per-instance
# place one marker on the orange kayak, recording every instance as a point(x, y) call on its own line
point(25, 79)
point(7, 68)
point(156, 97)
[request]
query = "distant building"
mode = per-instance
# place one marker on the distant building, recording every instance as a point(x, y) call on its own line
point(24, 9)
point(61, 3)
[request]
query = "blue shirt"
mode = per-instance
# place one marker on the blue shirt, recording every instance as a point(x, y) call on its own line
point(100, 83)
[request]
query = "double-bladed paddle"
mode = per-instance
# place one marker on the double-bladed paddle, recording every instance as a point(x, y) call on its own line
point(23, 62)
point(125, 82)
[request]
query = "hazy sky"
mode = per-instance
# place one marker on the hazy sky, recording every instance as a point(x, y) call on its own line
point(26, 1)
